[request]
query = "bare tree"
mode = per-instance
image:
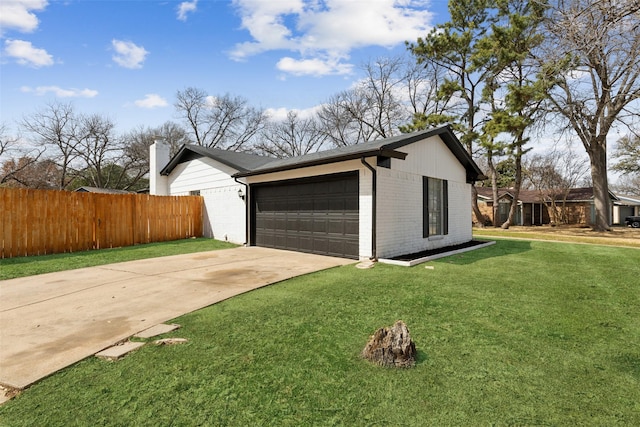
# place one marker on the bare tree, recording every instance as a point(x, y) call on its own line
point(56, 129)
point(428, 106)
point(627, 155)
point(219, 121)
point(291, 137)
point(628, 184)
point(98, 146)
point(591, 63)
point(339, 118)
point(392, 91)
point(7, 142)
point(173, 134)
point(553, 175)
point(17, 158)
point(135, 148)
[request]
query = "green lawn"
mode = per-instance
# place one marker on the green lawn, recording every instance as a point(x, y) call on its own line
point(519, 333)
point(28, 266)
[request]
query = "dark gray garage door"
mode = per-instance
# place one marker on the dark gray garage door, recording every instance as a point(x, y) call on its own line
point(317, 215)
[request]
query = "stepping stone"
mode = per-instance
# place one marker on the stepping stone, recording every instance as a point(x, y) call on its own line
point(365, 265)
point(157, 330)
point(118, 351)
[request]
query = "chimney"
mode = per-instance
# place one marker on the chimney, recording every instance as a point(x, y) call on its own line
point(158, 159)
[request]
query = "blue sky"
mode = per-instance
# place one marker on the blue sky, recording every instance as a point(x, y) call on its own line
point(127, 58)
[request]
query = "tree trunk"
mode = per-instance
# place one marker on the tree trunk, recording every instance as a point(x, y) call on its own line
point(518, 184)
point(474, 205)
point(512, 209)
point(494, 190)
point(598, 159)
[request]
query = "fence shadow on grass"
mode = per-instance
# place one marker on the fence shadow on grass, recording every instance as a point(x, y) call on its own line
point(500, 248)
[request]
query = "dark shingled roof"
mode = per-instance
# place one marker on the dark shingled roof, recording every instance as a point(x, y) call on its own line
point(582, 194)
point(384, 147)
point(250, 165)
point(87, 189)
point(239, 161)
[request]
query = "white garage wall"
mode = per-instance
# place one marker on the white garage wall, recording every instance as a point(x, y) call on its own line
point(224, 212)
point(400, 200)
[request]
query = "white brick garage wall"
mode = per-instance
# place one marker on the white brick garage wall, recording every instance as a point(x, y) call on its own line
point(399, 220)
point(224, 212)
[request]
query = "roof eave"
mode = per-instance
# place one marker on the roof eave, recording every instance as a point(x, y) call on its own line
point(194, 149)
point(385, 152)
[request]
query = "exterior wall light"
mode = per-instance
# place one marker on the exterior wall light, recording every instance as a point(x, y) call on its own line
point(241, 193)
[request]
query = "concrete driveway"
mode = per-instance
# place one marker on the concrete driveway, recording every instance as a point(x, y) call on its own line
point(51, 321)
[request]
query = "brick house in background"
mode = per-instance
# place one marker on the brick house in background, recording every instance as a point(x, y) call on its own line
point(576, 207)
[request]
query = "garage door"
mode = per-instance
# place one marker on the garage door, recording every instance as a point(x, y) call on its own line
point(316, 215)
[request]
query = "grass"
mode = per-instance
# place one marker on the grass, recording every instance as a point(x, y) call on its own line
point(519, 333)
point(11, 268)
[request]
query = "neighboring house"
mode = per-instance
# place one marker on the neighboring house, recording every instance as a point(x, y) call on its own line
point(625, 206)
point(536, 207)
point(380, 199)
point(86, 189)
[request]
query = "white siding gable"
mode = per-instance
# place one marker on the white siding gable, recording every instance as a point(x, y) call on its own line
point(224, 212)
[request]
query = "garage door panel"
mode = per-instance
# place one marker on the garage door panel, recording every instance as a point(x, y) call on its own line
point(280, 223)
point(321, 245)
point(305, 204)
point(320, 205)
point(352, 205)
point(352, 187)
point(317, 215)
point(291, 241)
point(335, 226)
point(337, 205)
point(351, 247)
point(319, 226)
point(305, 225)
point(305, 243)
point(351, 227)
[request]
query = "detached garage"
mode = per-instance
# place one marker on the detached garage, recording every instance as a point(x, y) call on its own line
point(380, 199)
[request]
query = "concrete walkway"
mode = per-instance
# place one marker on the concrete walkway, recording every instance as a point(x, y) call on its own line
point(50, 321)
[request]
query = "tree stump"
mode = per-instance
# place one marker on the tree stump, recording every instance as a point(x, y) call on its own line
point(391, 347)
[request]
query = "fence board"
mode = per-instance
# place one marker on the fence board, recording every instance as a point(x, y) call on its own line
point(38, 222)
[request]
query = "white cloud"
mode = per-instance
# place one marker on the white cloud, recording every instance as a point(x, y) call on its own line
point(314, 67)
point(128, 54)
point(151, 100)
point(186, 7)
point(280, 114)
point(26, 54)
point(60, 92)
point(327, 29)
point(16, 14)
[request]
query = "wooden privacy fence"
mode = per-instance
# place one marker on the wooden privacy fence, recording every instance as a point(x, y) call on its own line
point(37, 222)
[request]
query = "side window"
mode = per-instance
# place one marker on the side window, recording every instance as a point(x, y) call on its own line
point(435, 207)
point(194, 192)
